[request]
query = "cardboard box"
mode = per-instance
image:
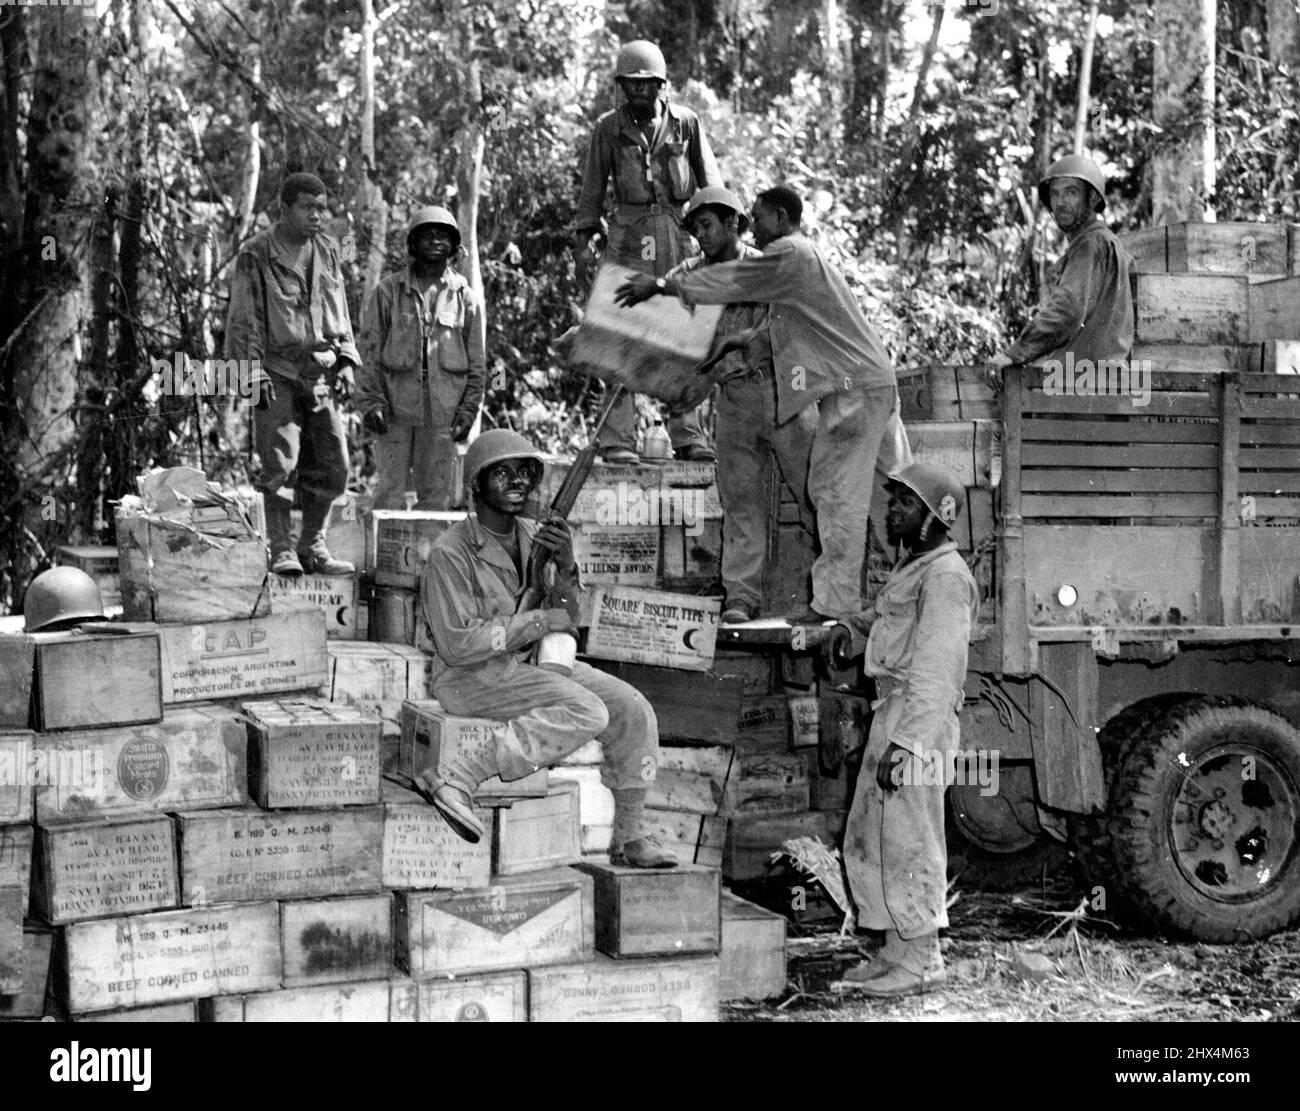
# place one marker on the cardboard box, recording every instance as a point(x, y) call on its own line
point(83, 680)
point(336, 940)
point(239, 659)
point(402, 542)
point(194, 758)
point(496, 997)
point(182, 574)
point(28, 1000)
point(17, 666)
point(421, 850)
point(534, 834)
point(521, 921)
point(647, 912)
point(368, 1001)
point(248, 855)
point(753, 951)
point(105, 867)
point(16, 844)
point(18, 770)
point(337, 596)
point(171, 955)
point(653, 627)
point(363, 671)
point(99, 562)
point(308, 753)
point(430, 734)
point(681, 989)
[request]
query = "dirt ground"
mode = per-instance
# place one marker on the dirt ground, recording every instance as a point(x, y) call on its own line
point(1100, 971)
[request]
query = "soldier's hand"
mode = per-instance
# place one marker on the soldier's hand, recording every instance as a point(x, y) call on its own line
point(889, 772)
point(265, 393)
point(554, 536)
point(993, 370)
point(345, 381)
point(559, 621)
point(461, 423)
point(637, 288)
point(584, 259)
point(376, 422)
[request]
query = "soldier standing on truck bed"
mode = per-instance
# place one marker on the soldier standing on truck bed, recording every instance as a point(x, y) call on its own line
point(895, 856)
point(1086, 310)
point(656, 156)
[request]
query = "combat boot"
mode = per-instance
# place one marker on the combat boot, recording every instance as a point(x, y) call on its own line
point(451, 790)
point(283, 559)
point(316, 558)
point(628, 846)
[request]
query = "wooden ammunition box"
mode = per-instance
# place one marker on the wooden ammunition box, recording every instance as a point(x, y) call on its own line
point(18, 755)
point(767, 783)
point(16, 843)
point(520, 921)
point(681, 989)
point(248, 855)
point(402, 542)
point(105, 867)
point(430, 735)
point(194, 758)
point(645, 912)
point(187, 1011)
point(238, 659)
point(28, 999)
point(337, 596)
point(653, 627)
point(85, 681)
point(170, 955)
point(326, 941)
point(99, 562)
point(307, 753)
point(753, 951)
point(421, 850)
point(533, 834)
point(17, 665)
point(363, 671)
point(367, 1001)
point(181, 574)
point(496, 997)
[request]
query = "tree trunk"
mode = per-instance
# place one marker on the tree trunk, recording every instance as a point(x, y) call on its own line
point(373, 205)
point(91, 458)
point(1085, 80)
point(1182, 166)
point(251, 177)
point(1284, 34)
point(834, 72)
point(471, 140)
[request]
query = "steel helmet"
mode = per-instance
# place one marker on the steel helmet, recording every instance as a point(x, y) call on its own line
point(641, 59)
point(936, 486)
point(716, 195)
point(1074, 165)
point(61, 595)
point(433, 214)
point(493, 447)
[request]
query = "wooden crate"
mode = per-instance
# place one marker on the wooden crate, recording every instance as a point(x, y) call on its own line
point(84, 681)
point(945, 393)
point(187, 1011)
point(17, 666)
point(430, 735)
point(16, 845)
point(337, 596)
point(403, 539)
point(753, 669)
point(496, 997)
point(595, 806)
point(170, 955)
point(971, 450)
point(645, 912)
point(363, 671)
point(521, 921)
point(12, 911)
point(625, 555)
point(28, 1000)
point(753, 951)
point(653, 627)
point(194, 758)
point(767, 783)
point(752, 839)
point(614, 495)
point(536, 834)
point(308, 753)
point(17, 760)
point(826, 790)
point(1258, 251)
point(237, 659)
point(249, 855)
point(1279, 356)
point(180, 574)
point(1274, 310)
point(335, 940)
point(764, 724)
point(694, 838)
point(367, 1001)
point(1192, 309)
point(1171, 358)
point(692, 555)
point(677, 989)
point(421, 850)
point(690, 706)
point(804, 723)
point(844, 720)
point(105, 867)
point(691, 780)
point(99, 562)
point(395, 618)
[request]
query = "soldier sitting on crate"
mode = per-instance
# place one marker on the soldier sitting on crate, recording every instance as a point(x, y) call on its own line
point(469, 590)
point(423, 366)
point(895, 856)
point(1087, 307)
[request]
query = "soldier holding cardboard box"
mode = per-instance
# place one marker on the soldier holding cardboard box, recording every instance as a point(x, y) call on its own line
point(469, 591)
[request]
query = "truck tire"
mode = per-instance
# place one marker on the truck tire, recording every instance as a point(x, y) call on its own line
point(995, 842)
point(1204, 821)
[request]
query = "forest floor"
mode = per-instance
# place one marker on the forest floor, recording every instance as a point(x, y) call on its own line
point(1099, 971)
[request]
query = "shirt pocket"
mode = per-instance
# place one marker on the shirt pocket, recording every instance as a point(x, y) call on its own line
point(402, 345)
point(630, 183)
point(680, 179)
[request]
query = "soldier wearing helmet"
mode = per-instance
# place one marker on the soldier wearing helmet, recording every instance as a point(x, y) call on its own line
point(424, 366)
point(1086, 309)
point(895, 856)
point(749, 439)
point(469, 589)
point(655, 156)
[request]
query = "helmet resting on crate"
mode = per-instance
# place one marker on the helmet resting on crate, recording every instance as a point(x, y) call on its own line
point(59, 596)
point(493, 447)
point(936, 486)
point(1074, 165)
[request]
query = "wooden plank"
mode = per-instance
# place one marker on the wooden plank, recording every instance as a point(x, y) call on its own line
point(16, 853)
point(336, 940)
point(12, 912)
point(693, 838)
point(1259, 433)
point(85, 681)
point(945, 393)
point(753, 951)
point(1162, 404)
point(395, 618)
point(1148, 246)
point(1016, 651)
point(367, 1001)
point(683, 989)
point(1123, 432)
point(496, 997)
point(1272, 382)
point(1168, 505)
point(421, 850)
point(1276, 507)
point(170, 955)
point(1118, 482)
point(246, 855)
point(644, 913)
point(90, 869)
point(1269, 482)
point(536, 834)
point(1253, 458)
point(1228, 564)
point(521, 921)
point(971, 450)
point(653, 627)
point(1172, 358)
point(308, 753)
point(1096, 456)
point(764, 725)
point(690, 706)
point(1270, 570)
point(193, 759)
point(1277, 408)
point(432, 738)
